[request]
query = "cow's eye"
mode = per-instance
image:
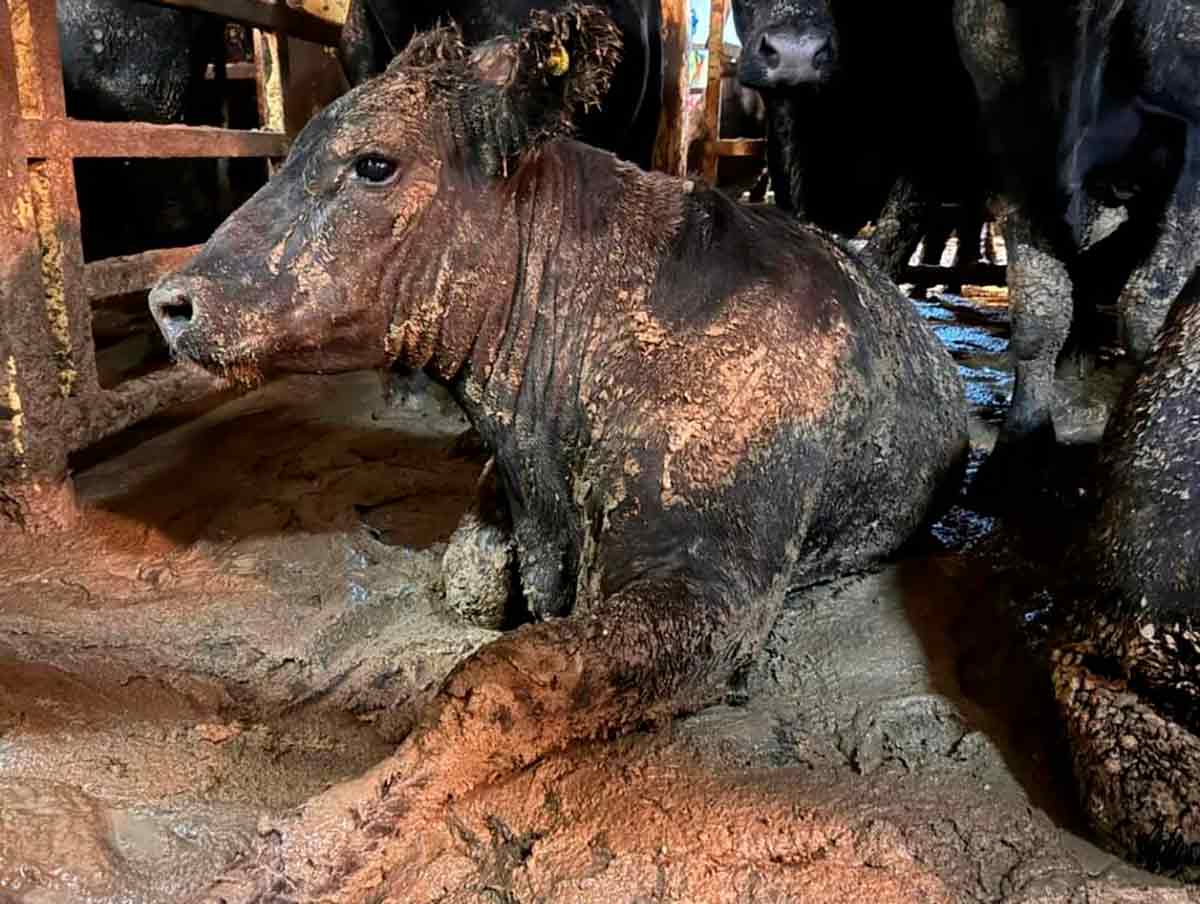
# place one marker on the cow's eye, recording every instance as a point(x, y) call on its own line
point(375, 169)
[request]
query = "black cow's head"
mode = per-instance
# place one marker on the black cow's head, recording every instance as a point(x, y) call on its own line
point(339, 262)
point(785, 43)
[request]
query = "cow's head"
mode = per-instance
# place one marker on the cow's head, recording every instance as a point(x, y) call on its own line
point(315, 273)
point(785, 43)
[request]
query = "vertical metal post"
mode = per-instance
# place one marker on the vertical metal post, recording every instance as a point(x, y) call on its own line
point(35, 491)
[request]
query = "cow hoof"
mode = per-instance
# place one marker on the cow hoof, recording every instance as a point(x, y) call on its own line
point(1136, 761)
point(477, 573)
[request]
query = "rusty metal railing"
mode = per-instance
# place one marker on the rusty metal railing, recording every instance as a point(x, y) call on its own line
point(51, 401)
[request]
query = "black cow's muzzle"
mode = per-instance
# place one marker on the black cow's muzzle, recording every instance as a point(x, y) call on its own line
point(785, 58)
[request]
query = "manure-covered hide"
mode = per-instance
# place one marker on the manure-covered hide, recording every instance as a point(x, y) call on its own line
point(692, 406)
point(1129, 683)
point(1090, 112)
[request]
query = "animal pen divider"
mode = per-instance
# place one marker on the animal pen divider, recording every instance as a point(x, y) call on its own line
point(51, 401)
point(716, 147)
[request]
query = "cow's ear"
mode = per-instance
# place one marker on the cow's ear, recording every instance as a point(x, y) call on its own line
point(537, 83)
point(442, 44)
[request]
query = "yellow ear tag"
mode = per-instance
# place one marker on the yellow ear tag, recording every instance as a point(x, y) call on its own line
point(559, 60)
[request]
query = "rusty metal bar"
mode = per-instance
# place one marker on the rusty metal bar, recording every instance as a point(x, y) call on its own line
point(35, 35)
point(50, 399)
point(56, 213)
point(80, 138)
point(303, 22)
point(234, 72)
point(270, 62)
point(712, 94)
point(35, 489)
point(135, 400)
point(133, 273)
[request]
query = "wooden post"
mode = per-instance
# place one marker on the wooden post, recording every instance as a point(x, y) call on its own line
point(670, 148)
point(712, 89)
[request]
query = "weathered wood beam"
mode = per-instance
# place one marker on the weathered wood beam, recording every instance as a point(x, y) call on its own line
point(979, 273)
point(740, 147)
point(712, 93)
point(80, 138)
point(670, 146)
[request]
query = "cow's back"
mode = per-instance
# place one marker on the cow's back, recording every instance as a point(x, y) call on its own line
point(774, 378)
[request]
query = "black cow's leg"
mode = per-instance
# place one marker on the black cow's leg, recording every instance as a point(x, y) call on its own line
point(656, 648)
point(898, 229)
point(644, 131)
point(1040, 311)
point(1155, 284)
point(1039, 300)
point(786, 155)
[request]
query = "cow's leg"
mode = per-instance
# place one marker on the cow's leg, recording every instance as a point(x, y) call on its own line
point(758, 191)
point(644, 130)
point(898, 229)
point(1040, 310)
point(656, 648)
point(1039, 299)
point(787, 155)
point(1159, 279)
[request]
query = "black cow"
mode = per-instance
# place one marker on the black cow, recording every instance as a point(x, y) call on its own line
point(870, 115)
point(1086, 106)
point(693, 405)
point(1127, 679)
point(129, 61)
point(627, 122)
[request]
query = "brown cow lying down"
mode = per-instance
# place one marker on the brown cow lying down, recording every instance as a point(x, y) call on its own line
point(692, 406)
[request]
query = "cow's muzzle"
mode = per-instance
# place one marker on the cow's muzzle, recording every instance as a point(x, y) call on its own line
point(786, 58)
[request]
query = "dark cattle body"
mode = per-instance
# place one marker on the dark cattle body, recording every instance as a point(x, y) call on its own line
point(1128, 683)
point(129, 61)
point(627, 121)
point(692, 405)
point(1087, 106)
point(870, 115)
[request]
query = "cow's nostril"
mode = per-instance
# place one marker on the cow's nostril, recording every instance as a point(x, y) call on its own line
point(178, 310)
point(173, 309)
point(768, 52)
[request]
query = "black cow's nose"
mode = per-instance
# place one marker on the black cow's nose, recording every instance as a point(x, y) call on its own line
point(787, 58)
point(173, 308)
point(768, 52)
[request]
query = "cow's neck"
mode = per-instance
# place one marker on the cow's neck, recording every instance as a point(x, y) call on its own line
point(537, 278)
point(533, 264)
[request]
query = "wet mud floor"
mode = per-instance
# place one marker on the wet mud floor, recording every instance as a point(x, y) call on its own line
point(251, 611)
